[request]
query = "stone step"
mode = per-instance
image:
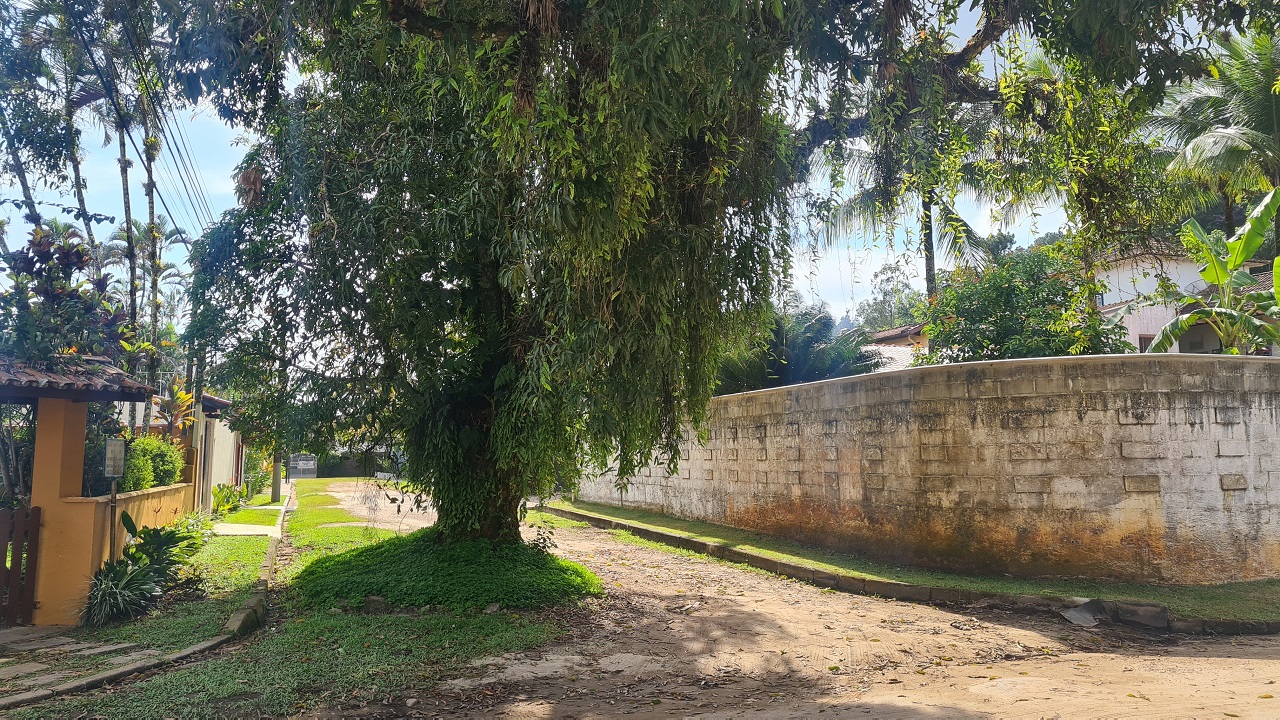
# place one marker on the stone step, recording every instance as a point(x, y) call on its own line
point(26, 668)
point(106, 649)
point(133, 657)
point(47, 642)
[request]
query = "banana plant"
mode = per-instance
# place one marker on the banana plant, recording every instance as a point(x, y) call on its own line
point(1241, 320)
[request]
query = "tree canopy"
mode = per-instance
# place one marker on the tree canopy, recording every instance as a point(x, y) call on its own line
point(1026, 305)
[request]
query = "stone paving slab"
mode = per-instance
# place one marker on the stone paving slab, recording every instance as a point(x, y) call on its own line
point(70, 647)
point(47, 678)
point(106, 649)
point(47, 642)
point(133, 657)
point(26, 668)
point(26, 633)
point(239, 529)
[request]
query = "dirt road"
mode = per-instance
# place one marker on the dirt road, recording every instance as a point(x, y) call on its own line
point(685, 636)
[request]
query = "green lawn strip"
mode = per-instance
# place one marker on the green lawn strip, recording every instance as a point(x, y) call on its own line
point(229, 566)
point(1258, 600)
point(538, 518)
point(311, 656)
point(262, 499)
point(252, 517)
point(314, 659)
point(458, 575)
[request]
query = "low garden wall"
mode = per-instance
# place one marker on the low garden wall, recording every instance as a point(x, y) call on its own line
point(1135, 467)
point(86, 523)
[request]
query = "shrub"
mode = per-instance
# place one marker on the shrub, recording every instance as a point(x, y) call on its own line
point(121, 590)
point(255, 481)
point(418, 569)
point(198, 524)
point(139, 473)
point(162, 550)
point(165, 459)
point(226, 498)
point(124, 589)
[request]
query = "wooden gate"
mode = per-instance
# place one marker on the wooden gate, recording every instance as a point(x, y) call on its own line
point(20, 535)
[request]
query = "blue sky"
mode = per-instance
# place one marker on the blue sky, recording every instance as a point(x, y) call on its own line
point(213, 154)
point(840, 275)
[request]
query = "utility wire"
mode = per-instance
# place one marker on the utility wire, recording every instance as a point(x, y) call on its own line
point(112, 93)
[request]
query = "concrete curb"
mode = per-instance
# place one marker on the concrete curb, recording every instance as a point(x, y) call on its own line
point(249, 617)
point(1146, 616)
point(253, 611)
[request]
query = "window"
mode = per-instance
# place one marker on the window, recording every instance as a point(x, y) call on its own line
point(1144, 342)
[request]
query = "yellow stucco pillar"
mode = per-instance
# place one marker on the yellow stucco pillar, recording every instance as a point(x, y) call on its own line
point(67, 558)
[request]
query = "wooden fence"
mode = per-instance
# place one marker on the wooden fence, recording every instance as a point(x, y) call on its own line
point(20, 535)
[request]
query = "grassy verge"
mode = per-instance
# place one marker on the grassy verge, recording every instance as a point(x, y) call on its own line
point(1258, 600)
point(229, 566)
point(262, 499)
point(311, 655)
point(252, 517)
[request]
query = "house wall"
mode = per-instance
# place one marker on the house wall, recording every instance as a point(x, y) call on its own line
point(1128, 279)
point(1135, 467)
point(223, 449)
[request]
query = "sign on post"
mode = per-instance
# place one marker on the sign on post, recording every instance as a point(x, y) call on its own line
point(301, 465)
point(113, 463)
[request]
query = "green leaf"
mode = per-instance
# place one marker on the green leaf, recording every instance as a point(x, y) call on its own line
point(1253, 233)
point(1241, 278)
point(128, 524)
point(1215, 273)
point(1275, 277)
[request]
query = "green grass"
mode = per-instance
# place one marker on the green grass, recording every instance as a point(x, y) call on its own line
point(310, 656)
point(1259, 600)
point(310, 660)
point(229, 566)
point(538, 518)
point(262, 499)
point(253, 517)
point(418, 569)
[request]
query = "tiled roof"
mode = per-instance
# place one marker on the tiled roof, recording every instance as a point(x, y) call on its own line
point(896, 357)
point(1262, 283)
point(87, 378)
point(898, 332)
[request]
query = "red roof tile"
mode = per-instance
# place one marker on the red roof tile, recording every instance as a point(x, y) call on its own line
point(88, 378)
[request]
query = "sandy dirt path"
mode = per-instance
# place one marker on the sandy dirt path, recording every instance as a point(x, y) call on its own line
point(686, 636)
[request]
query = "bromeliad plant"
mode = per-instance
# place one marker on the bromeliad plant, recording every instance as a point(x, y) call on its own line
point(1242, 320)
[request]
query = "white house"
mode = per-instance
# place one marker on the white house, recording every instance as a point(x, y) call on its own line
point(1130, 278)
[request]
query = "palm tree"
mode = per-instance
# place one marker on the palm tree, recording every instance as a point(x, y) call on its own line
point(942, 229)
point(48, 32)
point(802, 346)
point(1227, 125)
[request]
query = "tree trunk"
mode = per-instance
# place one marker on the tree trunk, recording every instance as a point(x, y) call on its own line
point(15, 159)
point(73, 153)
point(926, 241)
point(275, 476)
point(131, 253)
point(1228, 209)
point(150, 151)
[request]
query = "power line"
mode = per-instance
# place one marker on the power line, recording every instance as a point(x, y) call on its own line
point(109, 88)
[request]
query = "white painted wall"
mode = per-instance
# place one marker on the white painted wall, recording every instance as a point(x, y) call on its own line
point(1128, 279)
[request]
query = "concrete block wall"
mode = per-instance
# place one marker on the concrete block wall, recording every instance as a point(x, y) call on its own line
point(1158, 468)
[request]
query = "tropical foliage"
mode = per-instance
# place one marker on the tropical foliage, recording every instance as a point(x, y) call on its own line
point(801, 346)
point(1243, 321)
point(1027, 305)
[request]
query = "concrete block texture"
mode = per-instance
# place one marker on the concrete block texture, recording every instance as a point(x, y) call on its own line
point(1136, 467)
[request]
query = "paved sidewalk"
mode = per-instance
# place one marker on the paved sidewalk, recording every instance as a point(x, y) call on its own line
point(38, 657)
point(267, 530)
